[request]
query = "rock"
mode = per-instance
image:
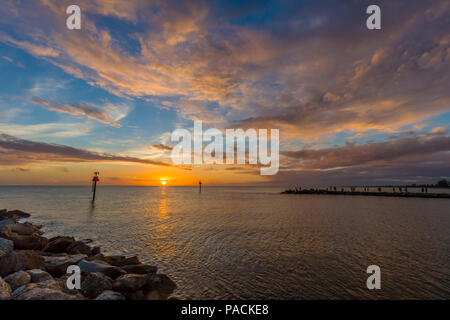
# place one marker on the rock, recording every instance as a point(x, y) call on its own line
point(102, 267)
point(20, 260)
point(140, 269)
point(130, 282)
point(79, 247)
point(5, 227)
point(57, 265)
point(15, 214)
point(59, 244)
point(18, 279)
point(94, 284)
point(38, 275)
point(42, 291)
point(33, 242)
point(110, 295)
point(120, 261)
point(160, 287)
point(23, 229)
point(138, 295)
point(6, 246)
point(62, 285)
point(98, 256)
point(5, 290)
point(95, 251)
point(87, 241)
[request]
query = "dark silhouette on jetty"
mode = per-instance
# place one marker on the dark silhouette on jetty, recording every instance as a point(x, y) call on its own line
point(402, 192)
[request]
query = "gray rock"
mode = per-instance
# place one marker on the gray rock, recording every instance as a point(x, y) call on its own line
point(130, 282)
point(57, 265)
point(110, 295)
point(59, 244)
point(42, 291)
point(5, 228)
point(20, 260)
point(5, 290)
point(38, 275)
point(18, 279)
point(79, 247)
point(6, 247)
point(94, 284)
point(140, 269)
point(102, 267)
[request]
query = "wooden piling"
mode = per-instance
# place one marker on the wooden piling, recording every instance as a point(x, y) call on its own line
point(94, 185)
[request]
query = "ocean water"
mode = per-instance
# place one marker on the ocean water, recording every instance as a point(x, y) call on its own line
point(255, 243)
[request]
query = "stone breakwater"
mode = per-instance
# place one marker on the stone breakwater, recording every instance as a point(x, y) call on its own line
point(33, 267)
point(368, 193)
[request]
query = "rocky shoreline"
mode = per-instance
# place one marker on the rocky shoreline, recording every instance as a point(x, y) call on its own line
point(33, 267)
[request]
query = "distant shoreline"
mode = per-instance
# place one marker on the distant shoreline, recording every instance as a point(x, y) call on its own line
point(369, 193)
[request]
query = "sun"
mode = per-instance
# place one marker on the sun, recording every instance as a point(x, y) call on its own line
point(163, 181)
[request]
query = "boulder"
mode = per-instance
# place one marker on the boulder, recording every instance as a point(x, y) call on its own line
point(110, 295)
point(6, 247)
point(38, 275)
point(130, 282)
point(18, 279)
point(160, 287)
point(23, 229)
point(5, 227)
point(14, 214)
point(57, 265)
point(140, 269)
point(59, 244)
point(102, 267)
point(94, 284)
point(95, 251)
point(120, 261)
point(20, 260)
point(33, 242)
point(42, 291)
point(98, 256)
point(138, 295)
point(79, 247)
point(5, 290)
point(62, 283)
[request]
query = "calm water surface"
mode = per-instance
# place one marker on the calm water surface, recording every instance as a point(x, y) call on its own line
point(242, 243)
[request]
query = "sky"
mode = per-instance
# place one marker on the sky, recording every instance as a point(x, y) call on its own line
point(353, 106)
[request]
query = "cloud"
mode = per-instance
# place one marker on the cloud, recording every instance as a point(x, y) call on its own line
point(33, 49)
point(161, 147)
point(89, 110)
point(55, 130)
point(16, 150)
point(303, 80)
point(415, 149)
point(316, 74)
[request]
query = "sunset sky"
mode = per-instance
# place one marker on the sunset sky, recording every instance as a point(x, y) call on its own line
point(354, 106)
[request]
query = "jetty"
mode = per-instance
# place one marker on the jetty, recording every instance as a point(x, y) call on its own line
point(369, 193)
